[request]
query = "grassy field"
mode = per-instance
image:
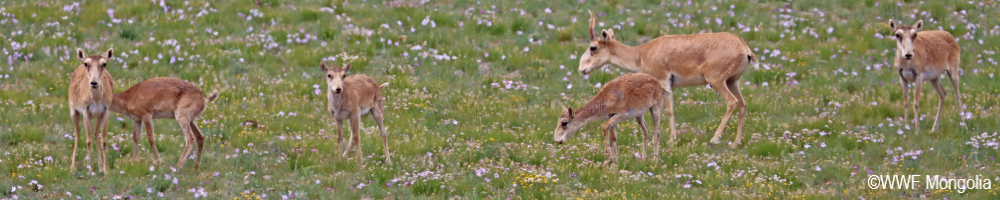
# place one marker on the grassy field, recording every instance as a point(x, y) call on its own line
point(475, 90)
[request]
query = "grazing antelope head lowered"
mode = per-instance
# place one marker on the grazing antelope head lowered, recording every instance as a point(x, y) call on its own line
point(904, 36)
point(567, 126)
point(95, 65)
point(717, 59)
point(335, 76)
point(598, 53)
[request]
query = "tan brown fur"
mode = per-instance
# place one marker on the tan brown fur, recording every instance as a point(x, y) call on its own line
point(717, 59)
point(925, 55)
point(165, 97)
point(626, 97)
point(91, 92)
point(350, 97)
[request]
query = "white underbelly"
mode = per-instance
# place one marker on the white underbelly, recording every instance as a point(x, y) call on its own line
point(346, 114)
point(910, 76)
point(687, 81)
point(633, 113)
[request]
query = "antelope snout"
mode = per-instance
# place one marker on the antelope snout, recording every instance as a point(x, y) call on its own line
point(909, 56)
point(93, 84)
point(337, 90)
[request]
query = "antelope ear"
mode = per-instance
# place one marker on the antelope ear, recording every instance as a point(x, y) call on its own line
point(322, 66)
point(919, 25)
point(569, 111)
point(80, 54)
point(592, 21)
point(110, 53)
point(892, 25)
point(347, 67)
point(607, 34)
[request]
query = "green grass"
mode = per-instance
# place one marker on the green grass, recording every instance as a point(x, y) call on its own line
point(475, 89)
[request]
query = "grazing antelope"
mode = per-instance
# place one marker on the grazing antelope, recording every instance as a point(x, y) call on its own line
point(91, 92)
point(350, 97)
point(623, 98)
point(165, 97)
point(716, 59)
point(925, 55)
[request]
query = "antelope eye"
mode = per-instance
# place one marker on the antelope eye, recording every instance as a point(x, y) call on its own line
point(897, 35)
point(86, 65)
point(329, 76)
point(104, 65)
point(565, 123)
point(593, 48)
point(343, 76)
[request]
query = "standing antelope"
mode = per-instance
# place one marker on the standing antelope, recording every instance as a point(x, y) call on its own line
point(716, 59)
point(91, 91)
point(350, 97)
point(623, 98)
point(925, 56)
point(165, 97)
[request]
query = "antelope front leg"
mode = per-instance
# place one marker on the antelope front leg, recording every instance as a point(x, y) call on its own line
point(340, 133)
point(90, 133)
point(916, 102)
point(906, 97)
point(670, 111)
point(610, 137)
point(656, 112)
point(101, 132)
point(148, 121)
point(76, 140)
point(355, 140)
point(136, 131)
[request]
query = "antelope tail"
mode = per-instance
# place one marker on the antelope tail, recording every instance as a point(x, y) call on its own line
point(212, 96)
point(752, 58)
point(383, 85)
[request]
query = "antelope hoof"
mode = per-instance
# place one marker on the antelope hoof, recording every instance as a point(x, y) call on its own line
point(714, 140)
point(735, 145)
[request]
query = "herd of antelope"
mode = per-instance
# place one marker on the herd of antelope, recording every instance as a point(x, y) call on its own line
point(666, 62)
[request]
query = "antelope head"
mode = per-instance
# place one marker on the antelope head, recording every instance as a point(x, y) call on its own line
point(335, 77)
point(567, 126)
point(597, 54)
point(95, 65)
point(904, 36)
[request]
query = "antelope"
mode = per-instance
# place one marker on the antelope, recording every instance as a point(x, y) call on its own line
point(626, 97)
point(350, 97)
point(165, 97)
point(716, 59)
point(91, 91)
point(925, 56)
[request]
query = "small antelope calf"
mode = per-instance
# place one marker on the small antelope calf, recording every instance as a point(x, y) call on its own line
point(350, 97)
point(626, 97)
point(91, 92)
point(165, 97)
point(925, 55)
